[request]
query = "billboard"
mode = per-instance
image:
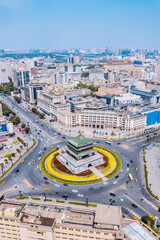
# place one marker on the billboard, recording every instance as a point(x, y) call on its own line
point(3, 128)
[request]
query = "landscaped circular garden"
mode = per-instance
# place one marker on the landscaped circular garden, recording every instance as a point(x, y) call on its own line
point(54, 169)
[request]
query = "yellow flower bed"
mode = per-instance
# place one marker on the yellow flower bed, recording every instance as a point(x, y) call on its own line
point(111, 160)
point(67, 177)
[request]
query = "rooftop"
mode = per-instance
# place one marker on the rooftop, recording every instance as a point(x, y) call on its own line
point(80, 141)
point(135, 231)
point(108, 215)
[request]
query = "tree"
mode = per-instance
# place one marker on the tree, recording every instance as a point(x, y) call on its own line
point(27, 130)
point(41, 115)
point(85, 75)
point(15, 120)
point(148, 220)
point(17, 99)
point(21, 147)
point(17, 150)
point(23, 125)
point(113, 133)
point(94, 132)
point(6, 161)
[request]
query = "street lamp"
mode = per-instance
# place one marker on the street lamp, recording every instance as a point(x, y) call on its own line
point(87, 201)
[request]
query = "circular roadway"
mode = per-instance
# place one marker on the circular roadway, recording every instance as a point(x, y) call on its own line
point(30, 179)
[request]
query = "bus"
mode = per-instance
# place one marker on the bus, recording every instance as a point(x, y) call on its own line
point(108, 142)
point(130, 177)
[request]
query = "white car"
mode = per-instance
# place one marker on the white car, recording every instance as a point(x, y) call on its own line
point(115, 182)
point(74, 190)
point(80, 195)
point(56, 185)
point(121, 199)
point(105, 183)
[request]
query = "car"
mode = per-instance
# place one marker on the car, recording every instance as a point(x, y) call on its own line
point(46, 189)
point(136, 169)
point(33, 189)
point(90, 188)
point(134, 205)
point(3, 183)
point(52, 147)
point(80, 195)
point(59, 133)
point(74, 191)
point(118, 143)
point(44, 148)
point(105, 183)
point(65, 184)
point(127, 182)
point(135, 180)
point(115, 182)
point(127, 164)
point(40, 130)
point(112, 194)
point(63, 137)
point(117, 176)
point(112, 200)
point(46, 182)
point(38, 133)
point(121, 199)
point(97, 141)
point(131, 161)
point(56, 185)
point(65, 196)
point(22, 161)
point(15, 186)
point(17, 170)
point(142, 200)
point(45, 178)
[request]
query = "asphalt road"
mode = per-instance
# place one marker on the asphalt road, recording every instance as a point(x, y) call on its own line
point(30, 180)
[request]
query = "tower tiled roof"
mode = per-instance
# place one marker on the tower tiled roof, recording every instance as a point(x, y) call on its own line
point(80, 141)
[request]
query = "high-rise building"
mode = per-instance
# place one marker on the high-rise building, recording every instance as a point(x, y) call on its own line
point(73, 59)
point(20, 78)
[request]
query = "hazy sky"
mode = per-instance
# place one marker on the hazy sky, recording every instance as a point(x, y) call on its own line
point(79, 23)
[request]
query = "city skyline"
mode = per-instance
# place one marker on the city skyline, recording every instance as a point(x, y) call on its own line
point(70, 24)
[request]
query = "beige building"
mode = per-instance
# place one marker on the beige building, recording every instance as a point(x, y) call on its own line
point(104, 91)
point(21, 221)
point(51, 103)
point(102, 119)
point(127, 66)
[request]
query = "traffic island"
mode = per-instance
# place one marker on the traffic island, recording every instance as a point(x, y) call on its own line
point(54, 169)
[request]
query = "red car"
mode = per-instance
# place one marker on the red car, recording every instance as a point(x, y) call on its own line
point(46, 182)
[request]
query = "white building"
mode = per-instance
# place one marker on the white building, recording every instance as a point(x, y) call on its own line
point(102, 119)
point(125, 99)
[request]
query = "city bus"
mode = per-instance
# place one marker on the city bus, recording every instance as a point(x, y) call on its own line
point(130, 177)
point(108, 142)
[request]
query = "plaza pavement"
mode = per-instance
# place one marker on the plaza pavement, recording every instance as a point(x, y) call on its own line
point(153, 169)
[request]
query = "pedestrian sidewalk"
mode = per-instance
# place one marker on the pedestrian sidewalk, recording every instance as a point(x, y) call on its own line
point(98, 173)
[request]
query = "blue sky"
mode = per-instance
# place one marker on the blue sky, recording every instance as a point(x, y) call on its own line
point(79, 23)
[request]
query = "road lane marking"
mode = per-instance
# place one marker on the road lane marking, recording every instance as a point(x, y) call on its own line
point(10, 189)
point(123, 186)
point(137, 204)
point(28, 183)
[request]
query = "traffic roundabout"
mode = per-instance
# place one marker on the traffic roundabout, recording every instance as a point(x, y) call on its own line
point(54, 169)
